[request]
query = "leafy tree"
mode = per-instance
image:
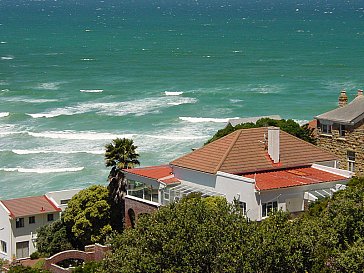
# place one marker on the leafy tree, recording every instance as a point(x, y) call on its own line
point(88, 267)
point(52, 238)
point(26, 269)
point(289, 126)
point(120, 154)
point(193, 235)
point(87, 217)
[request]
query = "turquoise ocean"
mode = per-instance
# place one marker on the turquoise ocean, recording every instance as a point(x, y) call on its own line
point(166, 73)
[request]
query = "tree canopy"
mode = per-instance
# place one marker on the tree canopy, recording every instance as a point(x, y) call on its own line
point(87, 217)
point(121, 153)
point(289, 126)
point(53, 238)
point(210, 235)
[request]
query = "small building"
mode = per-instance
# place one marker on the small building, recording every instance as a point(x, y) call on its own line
point(19, 220)
point(263, 169)
point(341, 131)
point(235, 121)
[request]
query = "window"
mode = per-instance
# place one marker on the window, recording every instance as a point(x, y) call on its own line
point(242, 206)
point(32, 220)
point(50, 217)
point(65, 201)
point(326, 129)
point(269, 207)
point(351, 161)
point(3, 247)
point(19, 222)
point(342, 130)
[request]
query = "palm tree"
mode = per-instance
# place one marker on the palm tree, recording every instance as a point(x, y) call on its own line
point(120, 154)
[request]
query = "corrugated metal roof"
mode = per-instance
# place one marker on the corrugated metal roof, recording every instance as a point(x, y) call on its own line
point(243, 151)
point(28, 206)
point(292, 177)
point(349, 114)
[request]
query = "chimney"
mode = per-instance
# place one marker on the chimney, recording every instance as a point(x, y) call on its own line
point(360, 93)
point(273, 143)
point(343, 99)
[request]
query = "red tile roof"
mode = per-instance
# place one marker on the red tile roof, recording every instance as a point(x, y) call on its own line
point(292, 177)
point(27, 206)
point(243, 151)
point(161, 173)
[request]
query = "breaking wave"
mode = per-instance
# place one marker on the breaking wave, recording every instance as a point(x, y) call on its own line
point(79, 135)
point(173, 93)
point(91, 90)
point(7, 58)
point(137, 107)
point(4, 114)
point(45, 170)
point(196, 120)
point(27, 152)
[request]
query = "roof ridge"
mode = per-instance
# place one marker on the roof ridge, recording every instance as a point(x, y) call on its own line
point(228, 150)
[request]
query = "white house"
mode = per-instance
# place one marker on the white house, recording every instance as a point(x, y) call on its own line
point(19, 220)
point(21, 217)
point(262, 168)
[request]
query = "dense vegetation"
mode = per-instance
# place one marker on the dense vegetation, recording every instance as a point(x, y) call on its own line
point(289, 126)
point(85, 221)
point(210, 235)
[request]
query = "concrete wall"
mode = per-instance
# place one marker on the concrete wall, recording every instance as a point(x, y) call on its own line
point(5, 232)
point(353, 141)
point(239, 188)
point(28, 232)
point(203, 179)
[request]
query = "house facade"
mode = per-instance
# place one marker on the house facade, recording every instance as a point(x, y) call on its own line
point(341, 131)
point(19, 220)
point(261, 168)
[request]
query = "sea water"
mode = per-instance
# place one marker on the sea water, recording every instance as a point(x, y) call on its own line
point(76, 74)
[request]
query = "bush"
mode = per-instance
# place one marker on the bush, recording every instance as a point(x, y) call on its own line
point(34, 255)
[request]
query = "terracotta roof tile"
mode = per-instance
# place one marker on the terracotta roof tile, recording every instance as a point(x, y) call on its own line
point(30, 206)
point(243, 151)
point(161, 173)
point(292, 177)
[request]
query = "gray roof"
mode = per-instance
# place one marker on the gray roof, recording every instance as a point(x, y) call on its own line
point(349, 114)
point(237, 121)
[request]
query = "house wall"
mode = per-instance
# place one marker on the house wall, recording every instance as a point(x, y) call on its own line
point(353, 141)
point(239, 188)
point(28, 232)
point(292, 197)
point(59, 196)
point(204, 179)
point(5, 232)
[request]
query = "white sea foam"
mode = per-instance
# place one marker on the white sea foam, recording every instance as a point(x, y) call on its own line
point(28, 152)
point(91, 90)
point(4, 114)
point(7, 58)
point(3, 42)
point(8, 133)
point(173, 93)
point(235, 100)
point(136, 107)
point(49, 85)
point(20, 99)
point(79, 135)
point(196, 120)
point(175, 137)
point(41, 170)
point(301, 121)
point(87, 59)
